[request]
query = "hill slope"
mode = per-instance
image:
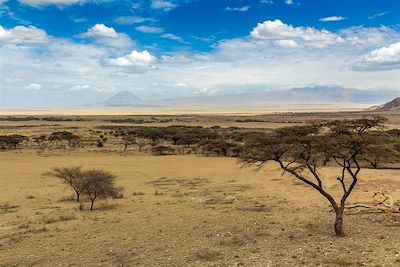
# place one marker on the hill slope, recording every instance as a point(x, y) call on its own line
point(389, 106)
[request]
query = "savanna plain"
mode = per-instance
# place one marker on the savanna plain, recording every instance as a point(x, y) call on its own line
point(185, 200)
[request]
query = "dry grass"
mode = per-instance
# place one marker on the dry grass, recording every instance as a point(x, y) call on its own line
point(184, 211)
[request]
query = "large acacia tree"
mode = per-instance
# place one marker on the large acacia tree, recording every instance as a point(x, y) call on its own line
point(302, 151)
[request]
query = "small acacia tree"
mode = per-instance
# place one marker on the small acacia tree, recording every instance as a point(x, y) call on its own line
point(302, 150)
point(72, 176)
point(99, 184)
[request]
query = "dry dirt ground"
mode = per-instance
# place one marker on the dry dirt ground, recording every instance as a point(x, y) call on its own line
point(186, 211)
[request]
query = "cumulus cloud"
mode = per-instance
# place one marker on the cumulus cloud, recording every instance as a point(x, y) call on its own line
point(389, 54)
point(149, 29)
point(286, 43)
point(101, 30)
point(134, 59)
point(289, 2)
point(277, 30)
point(274, 58)
point(333, 18)
point(384, 58)
point(162, 5)
point(39, 3)
point(34, 87)
point(107, 36)
point(238, 9)
point(23, 35)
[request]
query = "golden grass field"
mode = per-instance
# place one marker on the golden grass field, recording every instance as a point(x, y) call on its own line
point(184, 211)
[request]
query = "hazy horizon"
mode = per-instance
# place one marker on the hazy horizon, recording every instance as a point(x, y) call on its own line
point(74, 53)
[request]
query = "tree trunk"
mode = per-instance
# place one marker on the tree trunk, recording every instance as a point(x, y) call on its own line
point(339, 222)
point(91, 206)
point(77, 197)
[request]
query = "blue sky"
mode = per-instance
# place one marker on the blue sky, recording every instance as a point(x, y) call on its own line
point(65, 52)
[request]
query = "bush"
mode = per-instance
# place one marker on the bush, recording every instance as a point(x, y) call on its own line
point(11, 141)
point(162, 150)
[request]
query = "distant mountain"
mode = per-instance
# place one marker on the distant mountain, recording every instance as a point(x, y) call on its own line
point(124, 98)
point(302, 95)
point(339, 94)
point(389, 106)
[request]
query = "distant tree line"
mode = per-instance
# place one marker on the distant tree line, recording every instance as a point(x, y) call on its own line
point(213, 141)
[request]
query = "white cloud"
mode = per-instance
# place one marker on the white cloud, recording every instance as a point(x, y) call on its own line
point(243, 64)
point(176, 59)
point(84, 87)
point(289, 2)
point(277, 30)
point(238, 9)
point(134, 59)
point(268, 2)
point(34, 87)
point(101, 30)
point(384, 58)
point(389, 54)
point(23, 35)
point(378, 15)
point(39, 3)
point(369, 38)
point(149, 29)
point(107, 36)
point(79, 20)
point(286, 43)
point(129, 20)
point(162, 5)
point(333, 18)
point(171, 36)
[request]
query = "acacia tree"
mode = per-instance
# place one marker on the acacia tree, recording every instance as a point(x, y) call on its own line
point(376, 155)
point(99, 184)
point(301, 151)
point(72, 176)
point(59, 137)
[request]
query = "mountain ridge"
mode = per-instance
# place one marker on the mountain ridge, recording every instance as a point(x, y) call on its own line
point(389, 106)
point(297, 95)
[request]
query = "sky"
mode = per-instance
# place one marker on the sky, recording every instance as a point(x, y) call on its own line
point(76, 52)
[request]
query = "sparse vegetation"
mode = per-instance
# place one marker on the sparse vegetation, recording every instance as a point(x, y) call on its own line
point(58, 137)
point(93, 183)
point(99, 184)
point(301, 151)
point(194, 209)
point(11, 141)
point(72, 176)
